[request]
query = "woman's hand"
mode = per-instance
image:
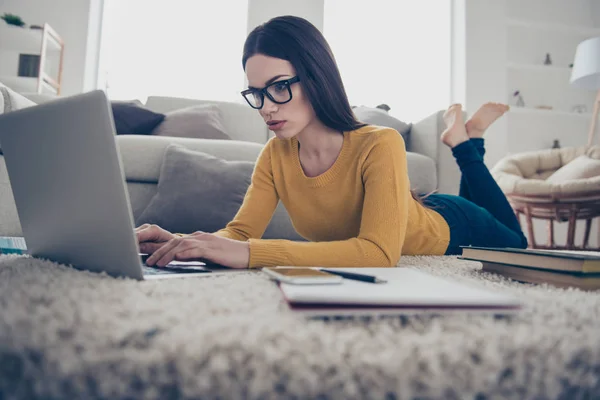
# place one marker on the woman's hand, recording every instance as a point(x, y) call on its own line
point(152, 237)
point(227, 252)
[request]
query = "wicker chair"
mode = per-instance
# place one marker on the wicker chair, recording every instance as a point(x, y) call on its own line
point(522, 177)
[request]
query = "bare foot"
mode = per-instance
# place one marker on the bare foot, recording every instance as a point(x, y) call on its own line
point(484, 117)
point(455, 133)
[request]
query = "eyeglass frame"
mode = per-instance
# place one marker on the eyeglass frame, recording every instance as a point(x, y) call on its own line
point(288, 82)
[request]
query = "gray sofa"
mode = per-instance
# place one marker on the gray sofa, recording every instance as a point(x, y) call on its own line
point(430, 163)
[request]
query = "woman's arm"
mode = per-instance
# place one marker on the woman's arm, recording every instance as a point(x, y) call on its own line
point(383, 224)
point(260, 202)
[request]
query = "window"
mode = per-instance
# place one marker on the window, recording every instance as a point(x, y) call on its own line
point(175, 48)
point(393, 52)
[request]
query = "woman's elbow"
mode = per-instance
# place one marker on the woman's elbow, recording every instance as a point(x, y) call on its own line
point(381, 255)
point(388, 260)
point(393, 261)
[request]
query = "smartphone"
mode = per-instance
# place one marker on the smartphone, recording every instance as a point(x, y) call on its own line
point(302, 276)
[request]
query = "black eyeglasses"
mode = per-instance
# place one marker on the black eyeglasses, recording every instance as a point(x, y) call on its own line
point(279, 92)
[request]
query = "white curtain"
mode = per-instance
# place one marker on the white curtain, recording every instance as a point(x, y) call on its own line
point(395, 52)
point(176, 48)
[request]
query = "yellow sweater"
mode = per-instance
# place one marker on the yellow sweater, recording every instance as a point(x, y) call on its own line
point(359, 213)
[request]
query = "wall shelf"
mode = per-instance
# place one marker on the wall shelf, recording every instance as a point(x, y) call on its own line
point(553, 27)
point(539, 68)
point(548, 113)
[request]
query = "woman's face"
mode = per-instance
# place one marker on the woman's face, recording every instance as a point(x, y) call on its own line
point(284, 120)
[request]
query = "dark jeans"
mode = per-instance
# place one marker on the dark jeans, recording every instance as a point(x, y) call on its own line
point(480, 215)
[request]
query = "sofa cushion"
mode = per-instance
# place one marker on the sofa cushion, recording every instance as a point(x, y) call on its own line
point(380, 117)
point(241, 122)
point(202, 122)
point(133, 119)
point(143, 155)
point(421, 173)
point(197, 191)
point(11, 101)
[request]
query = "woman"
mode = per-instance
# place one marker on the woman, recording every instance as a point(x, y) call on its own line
point(344, 184)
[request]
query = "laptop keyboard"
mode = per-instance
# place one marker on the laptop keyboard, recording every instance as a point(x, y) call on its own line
point(171, 270)
point(154, 271)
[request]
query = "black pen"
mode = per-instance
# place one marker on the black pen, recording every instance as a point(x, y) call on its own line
point(355, 276)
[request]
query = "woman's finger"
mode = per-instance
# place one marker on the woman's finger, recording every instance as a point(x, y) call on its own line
point(162, 251)
point(182, 246)
point(151, 233)
point(141, 227)
point(150, 247)
point(145, 233)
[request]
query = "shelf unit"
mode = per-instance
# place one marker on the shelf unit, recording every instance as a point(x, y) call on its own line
point(535, 28)
point(44, 42)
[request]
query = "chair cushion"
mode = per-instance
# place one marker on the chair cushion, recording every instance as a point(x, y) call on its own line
point(526, 173)
point(197, 191)
point(582, 167)
point(203, 122)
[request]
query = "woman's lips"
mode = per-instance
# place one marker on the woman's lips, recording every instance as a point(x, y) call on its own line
point(276, 125)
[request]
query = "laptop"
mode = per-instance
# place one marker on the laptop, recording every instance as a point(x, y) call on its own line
point(69, 188)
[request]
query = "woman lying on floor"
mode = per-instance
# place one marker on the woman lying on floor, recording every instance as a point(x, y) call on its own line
point(344, 184)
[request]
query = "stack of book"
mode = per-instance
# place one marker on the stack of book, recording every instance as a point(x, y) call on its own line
point(563, 268)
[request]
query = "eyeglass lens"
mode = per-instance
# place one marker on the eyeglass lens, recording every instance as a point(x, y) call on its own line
point(279, 93)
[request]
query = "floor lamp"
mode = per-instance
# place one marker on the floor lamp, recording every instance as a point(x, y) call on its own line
point(586, 75)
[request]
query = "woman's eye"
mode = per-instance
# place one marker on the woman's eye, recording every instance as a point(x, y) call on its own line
point(280, 87)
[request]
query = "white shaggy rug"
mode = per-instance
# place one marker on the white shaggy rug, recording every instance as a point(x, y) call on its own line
point(71, 334)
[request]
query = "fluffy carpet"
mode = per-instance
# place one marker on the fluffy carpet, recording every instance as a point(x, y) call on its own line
point(72, 334)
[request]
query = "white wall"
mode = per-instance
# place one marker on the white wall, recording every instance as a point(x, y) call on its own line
point(79, 22)
point(479, 63)
point(71, 19)
point(458, 57)
point(260, 11)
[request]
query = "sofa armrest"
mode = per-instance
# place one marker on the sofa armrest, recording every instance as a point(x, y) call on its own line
point(425, 140)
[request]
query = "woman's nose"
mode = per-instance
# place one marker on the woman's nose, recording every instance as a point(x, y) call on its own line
point(269, 106)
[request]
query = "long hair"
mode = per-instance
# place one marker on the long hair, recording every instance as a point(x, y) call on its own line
point(298, 41)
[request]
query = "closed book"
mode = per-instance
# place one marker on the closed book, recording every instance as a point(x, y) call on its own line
point(558, 260)
point(585, 281)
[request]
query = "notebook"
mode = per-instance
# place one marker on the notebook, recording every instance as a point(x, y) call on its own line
point(407, 291)
point(582, 280)
point(559, 260)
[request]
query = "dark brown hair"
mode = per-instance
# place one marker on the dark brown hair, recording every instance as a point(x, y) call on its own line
point(298, 41)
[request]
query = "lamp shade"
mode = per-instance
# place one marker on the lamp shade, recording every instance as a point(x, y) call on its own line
point(586, 68)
